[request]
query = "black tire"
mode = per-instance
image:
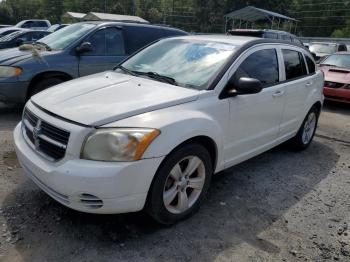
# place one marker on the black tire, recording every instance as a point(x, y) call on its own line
point(155, 205)
point(297, 143)
point(44, 84)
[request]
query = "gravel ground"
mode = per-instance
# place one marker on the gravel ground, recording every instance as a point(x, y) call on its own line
point(279, 206)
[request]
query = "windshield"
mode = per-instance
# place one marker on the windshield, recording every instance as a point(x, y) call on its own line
point(323, 48)
point(191, 63)
point(63, 38)
point(11, 36)
point(338, 61)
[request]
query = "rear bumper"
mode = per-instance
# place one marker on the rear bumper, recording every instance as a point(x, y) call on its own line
point(14, 92)
point(337, 94)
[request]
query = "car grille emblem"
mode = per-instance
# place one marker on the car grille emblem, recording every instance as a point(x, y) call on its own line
point(36, 134)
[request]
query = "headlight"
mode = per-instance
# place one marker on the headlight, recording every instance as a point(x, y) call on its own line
point(9, 71)
point(118, 144)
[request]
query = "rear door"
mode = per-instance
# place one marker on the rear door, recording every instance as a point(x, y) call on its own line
point(299, 85)
point(107, 51)
point(255, 118)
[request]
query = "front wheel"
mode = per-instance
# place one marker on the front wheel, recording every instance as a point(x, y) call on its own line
point(180, 184)
point(307, 130)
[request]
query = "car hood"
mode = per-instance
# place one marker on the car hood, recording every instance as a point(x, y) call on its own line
point(336, 74)
point(107, 97)
point(14, 55)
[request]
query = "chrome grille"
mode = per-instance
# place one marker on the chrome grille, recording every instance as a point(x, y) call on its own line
point(48, 140)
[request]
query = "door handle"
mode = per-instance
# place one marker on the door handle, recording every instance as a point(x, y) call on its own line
point(278, 93)
point(308, 84)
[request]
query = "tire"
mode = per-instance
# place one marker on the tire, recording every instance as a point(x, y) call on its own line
point(299, 142)
point(44, 84)
point(164, 184)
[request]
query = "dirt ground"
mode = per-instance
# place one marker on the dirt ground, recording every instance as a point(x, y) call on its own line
point(279, 206)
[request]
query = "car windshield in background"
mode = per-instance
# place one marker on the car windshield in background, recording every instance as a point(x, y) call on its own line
point(323, 48)
point(190, 63)
point(338, 61)
point(63, 38)
point(10, 37)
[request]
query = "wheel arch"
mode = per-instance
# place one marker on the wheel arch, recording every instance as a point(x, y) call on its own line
point(45, 75)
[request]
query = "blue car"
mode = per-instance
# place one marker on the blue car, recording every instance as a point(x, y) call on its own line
point(77, 50)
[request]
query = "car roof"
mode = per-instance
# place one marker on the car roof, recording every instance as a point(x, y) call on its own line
point(102, 23)
point(238, 40)
point(262, 31)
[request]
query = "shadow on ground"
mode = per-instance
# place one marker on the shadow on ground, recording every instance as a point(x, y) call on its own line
point(242, 202)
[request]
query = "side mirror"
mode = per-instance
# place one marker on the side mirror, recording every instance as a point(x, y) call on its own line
point(19, 42)
point(84, 47)
point(245, 86)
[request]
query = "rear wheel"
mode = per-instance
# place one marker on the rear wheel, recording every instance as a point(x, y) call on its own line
point(180, 184)
point(307, 131)
point(44, 84)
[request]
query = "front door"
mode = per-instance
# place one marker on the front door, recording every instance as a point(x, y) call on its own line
point(107, 51)
point(255, 118)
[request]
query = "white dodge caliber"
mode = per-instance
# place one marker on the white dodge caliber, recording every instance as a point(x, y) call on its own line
point(151, 133)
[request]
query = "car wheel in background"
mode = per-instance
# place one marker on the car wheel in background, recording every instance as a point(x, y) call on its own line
point(44, 84)
point(180, 184)
point(307, 130)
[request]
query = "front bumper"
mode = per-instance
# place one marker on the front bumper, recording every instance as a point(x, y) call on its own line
point(84, 185)
point(14, 92)
point(337, 94)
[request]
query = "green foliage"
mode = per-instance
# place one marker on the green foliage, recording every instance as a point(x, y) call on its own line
point(316, 18)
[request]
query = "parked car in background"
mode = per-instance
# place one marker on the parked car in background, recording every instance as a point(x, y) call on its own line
point(323, 49)
point(77, 50)
point(336, 68)
point(21, 37)
point(34, 24)
point(9, 30)
point(4, 26)
point(151, 133)
point(266, 33)
point(56, 27)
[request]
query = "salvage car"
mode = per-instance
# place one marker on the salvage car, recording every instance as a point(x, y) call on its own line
point(151, 133)
point(336, 69)
point(21, 37)
point(77, 50)
point(323, 49)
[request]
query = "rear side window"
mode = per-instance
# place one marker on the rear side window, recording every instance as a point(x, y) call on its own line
point(286, 38)
point(40, 24)
point(138, 36)
point(311, 65)
point(294, 64)
point(261, 65)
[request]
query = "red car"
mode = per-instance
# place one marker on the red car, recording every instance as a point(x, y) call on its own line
point(336, 69)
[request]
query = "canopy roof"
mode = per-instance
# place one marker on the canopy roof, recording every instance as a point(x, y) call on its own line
point(74, 15)
point(93, 16)
point(252, 14)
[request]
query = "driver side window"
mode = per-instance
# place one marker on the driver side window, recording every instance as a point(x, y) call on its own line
point(106, 42)
point(261, 65)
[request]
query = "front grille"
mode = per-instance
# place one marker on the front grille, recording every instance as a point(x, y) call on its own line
point(48, 140)
point(330, 84)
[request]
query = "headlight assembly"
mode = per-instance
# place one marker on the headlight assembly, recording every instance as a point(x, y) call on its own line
point(118, 144)
point(9, 71)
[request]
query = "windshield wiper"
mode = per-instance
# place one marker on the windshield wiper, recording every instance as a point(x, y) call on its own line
point(159, 77)
point(47, 47)
point(125, 70)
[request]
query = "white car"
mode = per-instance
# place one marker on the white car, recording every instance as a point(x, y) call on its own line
point(150, 134)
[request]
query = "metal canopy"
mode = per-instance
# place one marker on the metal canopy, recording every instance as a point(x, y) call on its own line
point(93, 16)
point(252, 14)
point(74, 15)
